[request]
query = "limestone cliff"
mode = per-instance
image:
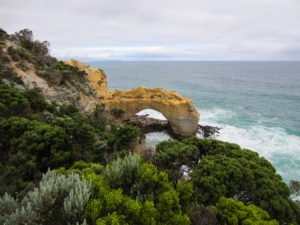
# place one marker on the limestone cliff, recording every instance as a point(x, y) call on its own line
point(96, 77)
point(180, 112)
point(77, 83)
point(82, 94)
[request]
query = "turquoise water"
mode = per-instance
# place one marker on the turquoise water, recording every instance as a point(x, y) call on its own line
point(256, 103)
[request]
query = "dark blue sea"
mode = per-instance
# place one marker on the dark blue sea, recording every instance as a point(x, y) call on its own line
point(257, 104)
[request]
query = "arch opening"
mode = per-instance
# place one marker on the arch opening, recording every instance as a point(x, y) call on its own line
point(151, 113)
point(155, 136)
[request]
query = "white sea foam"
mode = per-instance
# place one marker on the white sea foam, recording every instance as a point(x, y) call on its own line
point(215, 115)
point(154, 138)
point(152, 114)
point(273, 143)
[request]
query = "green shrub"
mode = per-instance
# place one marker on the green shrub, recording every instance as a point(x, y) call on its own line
point(37, 101)
point(224, 169)
point(79, 130)
point(11, 50)
point(12, 102)
point(22, 53)
point(32, 147)
point(117, 112)
point(4, 59)
point(232, 212)
point(61, 197)
point(98, 119)
point(112, 207)
point(68, 110)
point(22, 66)
point(124, 135)
point(3, 34)
point(123, 172)
point(172, 155)
point(199, 214)
point(115, 204)
point(7, 73)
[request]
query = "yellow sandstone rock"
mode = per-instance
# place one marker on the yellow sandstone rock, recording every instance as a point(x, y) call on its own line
point(96, 77)
point(179, 111)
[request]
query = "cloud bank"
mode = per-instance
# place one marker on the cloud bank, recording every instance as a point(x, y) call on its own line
point(161, 29)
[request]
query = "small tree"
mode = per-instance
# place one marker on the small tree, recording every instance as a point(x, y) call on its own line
point(232, 212)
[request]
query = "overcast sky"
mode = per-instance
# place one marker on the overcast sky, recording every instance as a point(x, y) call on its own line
point(160, 29)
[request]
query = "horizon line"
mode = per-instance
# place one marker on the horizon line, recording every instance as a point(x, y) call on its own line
point(116, 60)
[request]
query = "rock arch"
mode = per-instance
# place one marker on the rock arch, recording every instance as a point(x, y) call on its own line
point(180, 112)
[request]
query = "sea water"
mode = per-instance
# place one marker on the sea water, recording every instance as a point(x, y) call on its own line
point(257, 104)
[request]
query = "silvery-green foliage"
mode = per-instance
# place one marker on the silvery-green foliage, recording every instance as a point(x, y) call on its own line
point(75, 202)
point(123, 172)
point(8, 205)
point(58, 197)
point(22, 215)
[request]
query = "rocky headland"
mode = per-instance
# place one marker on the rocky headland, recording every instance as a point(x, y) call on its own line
point(73, 82)
point(180, 111)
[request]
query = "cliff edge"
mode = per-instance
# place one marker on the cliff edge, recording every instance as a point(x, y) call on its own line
point(27, 62)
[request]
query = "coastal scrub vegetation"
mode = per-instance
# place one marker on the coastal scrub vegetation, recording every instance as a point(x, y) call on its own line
point(58, 166)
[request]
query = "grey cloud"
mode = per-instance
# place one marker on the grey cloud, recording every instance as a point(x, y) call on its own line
point(183, 30)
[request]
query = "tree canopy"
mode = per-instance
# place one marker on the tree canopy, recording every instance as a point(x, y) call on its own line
point(224, 169)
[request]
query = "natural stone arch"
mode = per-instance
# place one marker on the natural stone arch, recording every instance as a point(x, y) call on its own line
point(180, 112)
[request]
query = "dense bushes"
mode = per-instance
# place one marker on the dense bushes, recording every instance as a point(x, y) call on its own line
point(232, 212)
point(12, 102)
point(25, 39)
point(124, 135)
point(132, 192)
point(224, 169)
point(17, 53)
point(36, 135)
point(28, 148)
point(192, 181)
point(17, 103)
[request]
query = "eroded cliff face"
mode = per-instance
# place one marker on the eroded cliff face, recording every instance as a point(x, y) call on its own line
point(180, 111)
point(82, 95)
point(96, 77)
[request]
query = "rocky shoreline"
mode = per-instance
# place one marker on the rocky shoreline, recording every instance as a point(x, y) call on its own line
point(148, 124)
point(205, 131)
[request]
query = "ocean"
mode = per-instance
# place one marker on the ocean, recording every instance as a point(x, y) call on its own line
point(257, 104)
